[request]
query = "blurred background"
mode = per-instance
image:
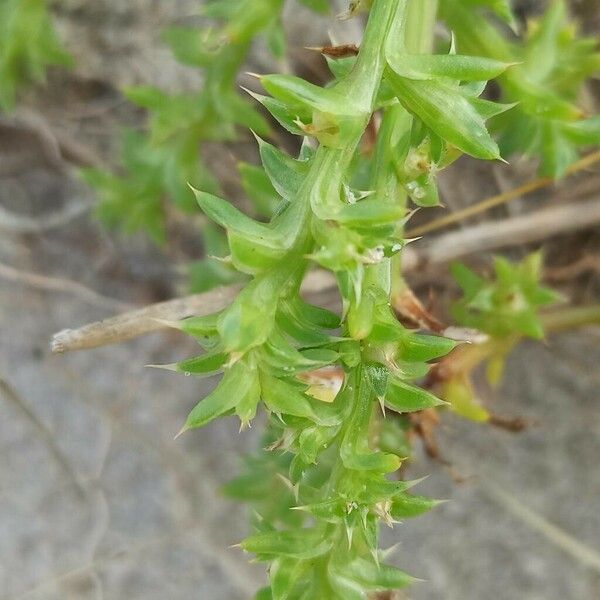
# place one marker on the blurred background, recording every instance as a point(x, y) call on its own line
point(98, 501)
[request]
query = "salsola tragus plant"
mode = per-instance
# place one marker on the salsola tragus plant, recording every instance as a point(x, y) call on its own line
point(28, 45)
point(326, 482)
point(339, 389)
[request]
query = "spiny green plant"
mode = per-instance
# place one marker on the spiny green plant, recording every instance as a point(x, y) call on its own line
point(546, 121)
point(157, 166)
point(327, 477)
point(505, 308)
point(507, 304)
point(28, 45)
point(345, 212)
point(546, 83)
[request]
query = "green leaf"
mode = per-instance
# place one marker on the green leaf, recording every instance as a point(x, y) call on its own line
point(259, 189)
point(379, 489)
point(469, 281)
point(556, 153)
point(405, 506)
point(295, 92)
point(315, 315)
point(147, 96)
point(200, 327)
point(213, 270)
point(507, 304)
point(409, 370)
point(264, 594)
point(248, 401)
point(275, 37)
point(285, 173)
point(394, 438)
point(366, 574)
point(451, 66)
point(340, 67)
point(403, 397)
point(459, 393)
point(585, 132)
point(377, 376)
point(134, 201)
point(501, 7)
point(368, 212)
point(283, 576)
point(355, 455)
point(283, 358)
point(541, 50)
point(249, 320)
point(28, 45)
point(205, 365)
point(361, 316)
point(282, 397)
point(191, 46)
point(254, 246)
point(423, 348)
point(300, 544)
point(447, 112)
point(284, 115)
point(299, 321)
point(229, 217)
point(313, 440)
point(238, 385)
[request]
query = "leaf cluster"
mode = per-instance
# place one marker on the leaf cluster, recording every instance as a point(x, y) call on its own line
point(552, 64)
point(506, 305)
point(157, 167)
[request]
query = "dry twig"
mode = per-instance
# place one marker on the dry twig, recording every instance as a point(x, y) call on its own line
point(502, 198)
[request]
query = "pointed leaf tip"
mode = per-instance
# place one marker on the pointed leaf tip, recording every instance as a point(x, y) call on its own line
point(167, 323)
point(168, 367)
point(182, 431)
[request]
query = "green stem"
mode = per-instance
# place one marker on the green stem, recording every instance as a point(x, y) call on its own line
point(417, 35)
point(325, 177)
point(395, 122)
point(368, 70)
point(421, 17)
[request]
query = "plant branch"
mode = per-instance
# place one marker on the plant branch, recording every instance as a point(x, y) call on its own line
point(531, 227)
point(152, 318)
